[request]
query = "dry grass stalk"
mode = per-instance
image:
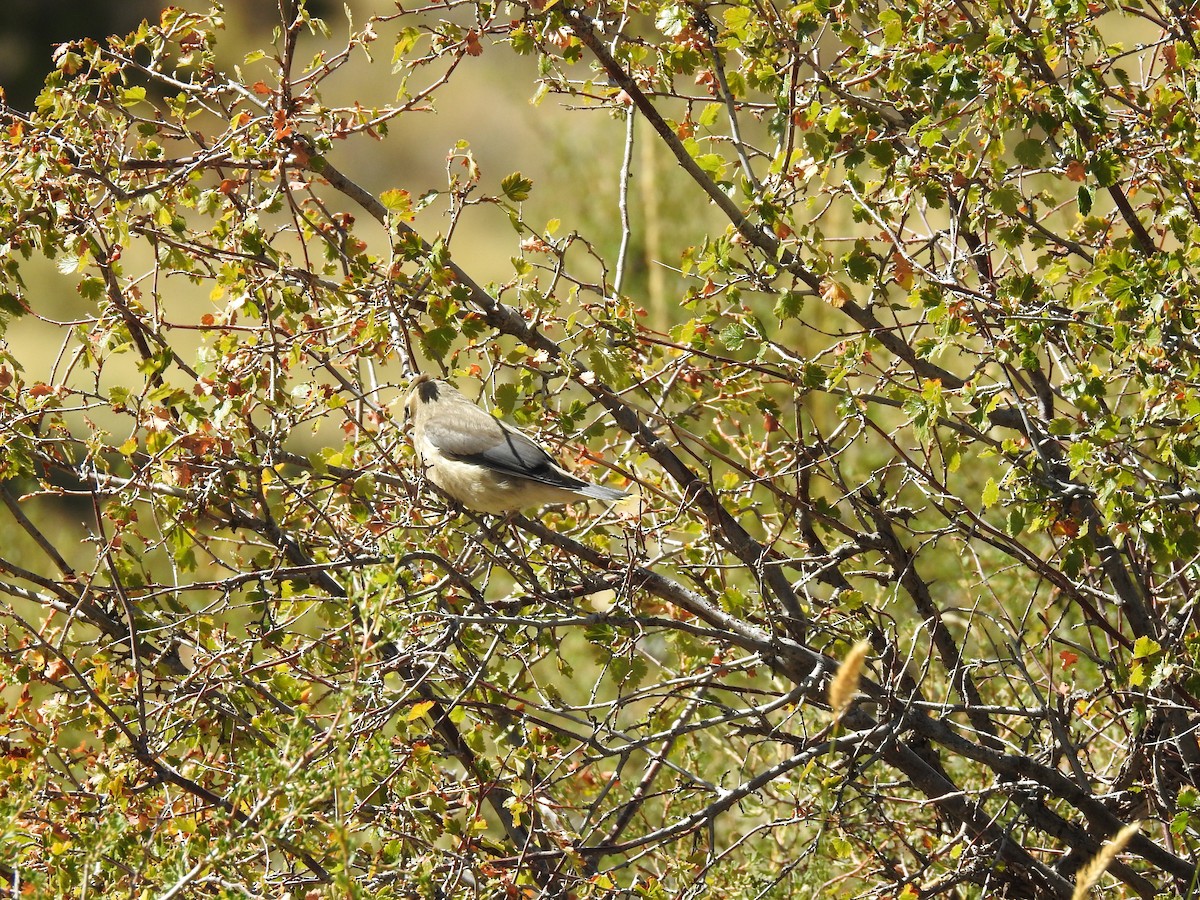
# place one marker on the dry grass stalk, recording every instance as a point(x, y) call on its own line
point(1091, 872)
point(845, 683)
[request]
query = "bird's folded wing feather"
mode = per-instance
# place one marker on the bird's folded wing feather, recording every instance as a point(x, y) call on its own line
point(499, 448)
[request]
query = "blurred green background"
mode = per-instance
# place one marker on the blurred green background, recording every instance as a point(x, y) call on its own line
point(486, 104)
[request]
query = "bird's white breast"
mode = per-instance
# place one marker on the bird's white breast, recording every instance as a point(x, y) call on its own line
point(485, 490)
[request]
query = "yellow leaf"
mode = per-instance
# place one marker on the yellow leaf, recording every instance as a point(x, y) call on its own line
point(1137, 675)
point(1053, 55)
point(397, 202)
point(991, 493)
point(419, 710)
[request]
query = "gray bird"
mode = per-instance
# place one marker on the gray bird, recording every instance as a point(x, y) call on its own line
point(483, 463)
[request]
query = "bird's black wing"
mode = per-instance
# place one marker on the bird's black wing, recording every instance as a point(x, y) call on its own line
point(495, 447)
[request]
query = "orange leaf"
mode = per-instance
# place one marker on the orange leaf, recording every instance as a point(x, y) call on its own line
point(57, 670)
point(834, 293)
point(280, 123)
point(1065, 528)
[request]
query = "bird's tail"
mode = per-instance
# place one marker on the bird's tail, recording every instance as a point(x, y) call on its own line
point(599, 492)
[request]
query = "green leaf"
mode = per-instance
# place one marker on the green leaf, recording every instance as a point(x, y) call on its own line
point(438, 341)
point(708, 115)
point(789, 305)
point(930, 137)
point(738, 19)
point(892, 26)
point(405, 41)
point(516, 187)
point(12, 308)
point(712, 163)
point(672, 19)
point(91, 288)
point(1016, 522)
point(1085, 200)
point(1006, 198)
point(882, 153)
point(628, 671)
point(859, 263)
point(600, 634)
point(1061, 426)
point(733, 336)
point(1180, 824)
point(991, 493)
point(506, 398)
point(1030, 152)
point(1106, 168)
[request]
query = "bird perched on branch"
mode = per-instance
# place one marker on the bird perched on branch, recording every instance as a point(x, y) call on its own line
point(483, 463)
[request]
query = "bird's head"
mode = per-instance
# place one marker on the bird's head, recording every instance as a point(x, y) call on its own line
point(425, 389)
